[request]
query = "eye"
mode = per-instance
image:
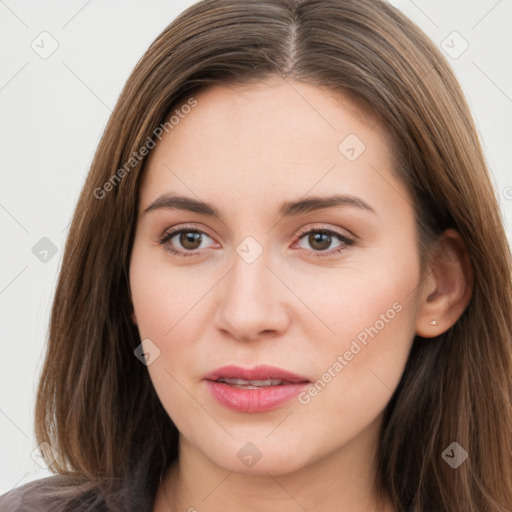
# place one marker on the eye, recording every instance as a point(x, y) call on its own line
point(190, 239)
point(321, 239)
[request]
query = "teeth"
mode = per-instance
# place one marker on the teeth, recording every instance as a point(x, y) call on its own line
point(252, 384)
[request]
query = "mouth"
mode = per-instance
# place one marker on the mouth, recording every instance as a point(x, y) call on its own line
point(259, 389)
point(259, 376)
point(253, 384)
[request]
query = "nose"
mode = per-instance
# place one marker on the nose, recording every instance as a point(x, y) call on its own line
point(251, 301)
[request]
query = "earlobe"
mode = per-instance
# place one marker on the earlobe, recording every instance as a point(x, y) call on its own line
point(447, 289)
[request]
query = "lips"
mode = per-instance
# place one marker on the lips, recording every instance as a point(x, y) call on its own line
point(254, 375)
point(258, 389)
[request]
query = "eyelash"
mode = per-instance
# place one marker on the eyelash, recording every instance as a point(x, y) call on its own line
point(347, 242)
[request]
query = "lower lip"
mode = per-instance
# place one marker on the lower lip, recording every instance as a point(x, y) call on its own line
point(253, 400)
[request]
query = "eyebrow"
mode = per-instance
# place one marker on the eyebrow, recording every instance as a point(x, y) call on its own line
point(287, 209)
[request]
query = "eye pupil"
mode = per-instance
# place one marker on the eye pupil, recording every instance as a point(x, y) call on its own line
point(319, 238)
point(188, 239)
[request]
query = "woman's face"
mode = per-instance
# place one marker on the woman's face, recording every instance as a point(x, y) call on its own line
point(329, 294)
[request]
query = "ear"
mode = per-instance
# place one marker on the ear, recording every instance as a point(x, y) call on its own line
point(447, 287)
point(133, 317)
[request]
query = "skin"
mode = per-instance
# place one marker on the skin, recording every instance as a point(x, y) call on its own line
point(247, 150)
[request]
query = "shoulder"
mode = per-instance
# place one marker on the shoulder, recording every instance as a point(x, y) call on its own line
point(75, 493)
point(59, 493)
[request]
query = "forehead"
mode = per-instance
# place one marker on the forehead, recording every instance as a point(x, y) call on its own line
point(277, 105)
point(265, 138)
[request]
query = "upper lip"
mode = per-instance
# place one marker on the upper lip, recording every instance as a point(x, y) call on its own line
point(260, 372)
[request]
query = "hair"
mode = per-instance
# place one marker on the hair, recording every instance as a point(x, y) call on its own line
point(95, 402)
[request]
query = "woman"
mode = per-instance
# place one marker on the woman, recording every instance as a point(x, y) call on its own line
point(286, 284)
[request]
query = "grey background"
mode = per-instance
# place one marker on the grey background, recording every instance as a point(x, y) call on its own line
point(55, 107)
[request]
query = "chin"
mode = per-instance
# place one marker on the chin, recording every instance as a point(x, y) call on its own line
point(259, 458)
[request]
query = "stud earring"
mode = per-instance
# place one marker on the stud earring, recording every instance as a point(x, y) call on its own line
point(433, 322)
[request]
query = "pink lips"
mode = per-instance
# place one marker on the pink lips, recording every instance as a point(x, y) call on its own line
point(261, 372)
point(261, 399)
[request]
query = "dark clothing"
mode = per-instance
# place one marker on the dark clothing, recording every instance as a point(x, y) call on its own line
point(58, 493)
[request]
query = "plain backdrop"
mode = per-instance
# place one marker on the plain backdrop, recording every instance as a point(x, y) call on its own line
point(62, 67)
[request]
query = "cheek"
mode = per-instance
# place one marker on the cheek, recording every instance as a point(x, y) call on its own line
point(169, 304)
point(165, 305)
point(164, 296)
point(372, 313)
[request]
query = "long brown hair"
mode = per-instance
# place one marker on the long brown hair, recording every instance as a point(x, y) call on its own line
point(96, 405)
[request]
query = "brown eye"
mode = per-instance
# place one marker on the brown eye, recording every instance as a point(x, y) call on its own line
point(320, 241)
point(189, 239)
point(184, 241)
